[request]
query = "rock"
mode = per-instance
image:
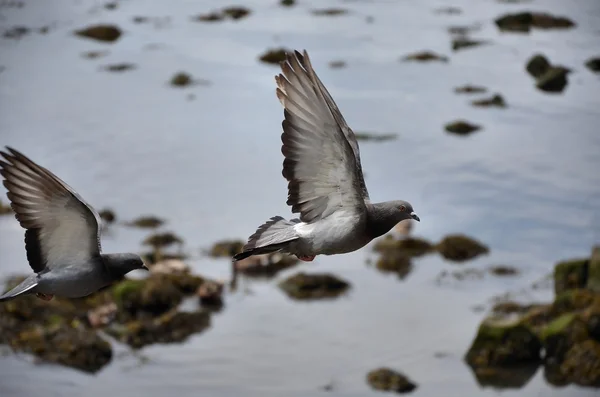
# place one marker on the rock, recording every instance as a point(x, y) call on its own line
point(16, 32)
point(303, 286)
point(181, 79)
point(461, 127)
point(211, 294)
point(464, 42)
point(170, 266)
point(470, 89)
point(330, 12)
point(274, 56)
point(409, 246)
point(502, 270)
point(210, 17)
point(386, 379)
point(460, 248)
point(5, 209)
point(593, 64)
point(582, 364)
point(226, 248)
point(395, 262)
point(462, 31)
point(234, 13)
point(337, 64)
point(102, 315)
point(111, 6)
point(160, 240)
point(120, 67)
point(509, 307)
point(287, 3)
point(502, 342)
point(94, 54)
point(537, 65)
point(448, 10)
point(425, 56)
point(524, 21)
point(170, 327)
point(560, 334)
point(367, 136)
point(146, 222)
point(268, 265)
point(593, 272)
point(515, 377)
point(107, 215)
point(152, 296)
point(554, 80)
point(104, 33)
point(570, 275)
point(497, 101)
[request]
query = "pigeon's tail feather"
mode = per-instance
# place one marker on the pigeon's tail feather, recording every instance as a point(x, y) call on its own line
point(272, 236)
point(25, 287)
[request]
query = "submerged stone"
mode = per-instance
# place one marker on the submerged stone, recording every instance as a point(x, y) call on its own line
point(274, 56)
point(470, 89)
point(104, 33)
point(554, 80)
point(459, 248)
point(537, 65)
point(386, 379)
point(461, 127)
point(408, 246)
point(593, 64)
point(495, 101)
point(425, 56)
point(120, 67)
point(303, 286)
point(524, 21)
point(464, 42)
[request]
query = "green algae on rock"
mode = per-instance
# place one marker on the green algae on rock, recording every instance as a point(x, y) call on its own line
point(303, 286)
point(460, 248)
point(103, 33)
point(181, 79)
point(386, 379)
point(274, 56)
point(409, 246)
point(461, 127)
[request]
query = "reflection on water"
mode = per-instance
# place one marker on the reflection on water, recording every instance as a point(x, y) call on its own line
point(207, 159)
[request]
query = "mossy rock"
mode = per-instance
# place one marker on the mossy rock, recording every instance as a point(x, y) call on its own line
point(165, 239)
point(104, 33)
point(149, 297)
point(409, 246)
point(274, 56)
point(537, 65)
point(502, 342)
point(561, 334)
point(503, 270)
point(515, 377)
point(236, 12)
point(386, 379)
point(464, 42)
point(524, 21)
point(181, 79)
point(425, 56)
point(170, 327)
point(394, 262)
point(470, 89)
point(581, 364)
point(5, 209)
point(287, 3)
point(593, 64)
point(461, 127)
point(554, 80)
point(495, 101)
point(146, 222)
point(266, 266)
point(303, 286)
point(460, 248)
point(226, 248)
point(593, 271)
point(570, 274)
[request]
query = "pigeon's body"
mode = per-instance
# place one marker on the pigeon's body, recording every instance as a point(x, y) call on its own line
point(324, 173)
point(61, 234)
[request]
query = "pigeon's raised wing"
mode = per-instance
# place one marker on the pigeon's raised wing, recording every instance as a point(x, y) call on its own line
point(61, 228)
point(320, 163)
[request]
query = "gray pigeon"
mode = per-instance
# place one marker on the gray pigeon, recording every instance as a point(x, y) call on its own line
point(324, 174)
point(62, 235)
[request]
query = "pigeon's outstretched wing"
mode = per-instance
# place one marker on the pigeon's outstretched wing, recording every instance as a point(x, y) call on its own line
point(61, 228)
point(321, 165)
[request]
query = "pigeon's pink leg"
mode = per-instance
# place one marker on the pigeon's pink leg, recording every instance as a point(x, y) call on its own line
point(44, 296)
point(307, 258)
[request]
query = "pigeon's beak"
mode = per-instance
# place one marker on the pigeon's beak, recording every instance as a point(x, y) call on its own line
point(415, 217)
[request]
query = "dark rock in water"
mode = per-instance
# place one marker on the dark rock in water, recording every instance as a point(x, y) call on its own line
point(409, 246)
point(330, 12)
point(111, 6)
point(211, 295)
point(425, 56)
point(582, 364)
point(146, 222)
point(234, 13)
point(386, 379)
point(16, 32)
point(446, 276)
point(502, 342)
point(274, 56)
point(368, 136)
point(395, 262)
point(140, 19)
point(104, 33)
point(463, 30)
point(152, 296)
point(287, 3)
point(514, 377)
point(470, 89)
point(570, 274)
point(210, 17)
point(448, 10)
point(120, 67)
point(593, 64)
point(503, 270)
point(337, 64)
point(537, 65)
point(459, 248)
point(554, 80)
point(226, 248)
point(164, 239)
point(268, 265)
point(181, 79)
point(497, 101)
point(107, 215)
point(5, 209)
point(94, 54)
point(524, 21)
point(461, 127)
point(464, 42)
point(170, 327)
point(303, 286)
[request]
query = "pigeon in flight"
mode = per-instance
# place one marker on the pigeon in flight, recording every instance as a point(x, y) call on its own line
point(62, 237)
point(324, 174)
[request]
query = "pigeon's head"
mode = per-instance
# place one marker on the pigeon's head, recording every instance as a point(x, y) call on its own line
point(121, 264)
point(404, 210)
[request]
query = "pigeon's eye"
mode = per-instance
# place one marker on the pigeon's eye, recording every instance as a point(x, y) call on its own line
point(402, 208)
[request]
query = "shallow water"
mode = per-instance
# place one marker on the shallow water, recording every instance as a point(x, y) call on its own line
point(526, 185)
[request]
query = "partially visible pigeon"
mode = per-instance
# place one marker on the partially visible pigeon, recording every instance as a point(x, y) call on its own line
point(62, 236)
point(324, 174)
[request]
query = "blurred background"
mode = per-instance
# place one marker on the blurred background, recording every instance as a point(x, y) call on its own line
point(167, 109)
